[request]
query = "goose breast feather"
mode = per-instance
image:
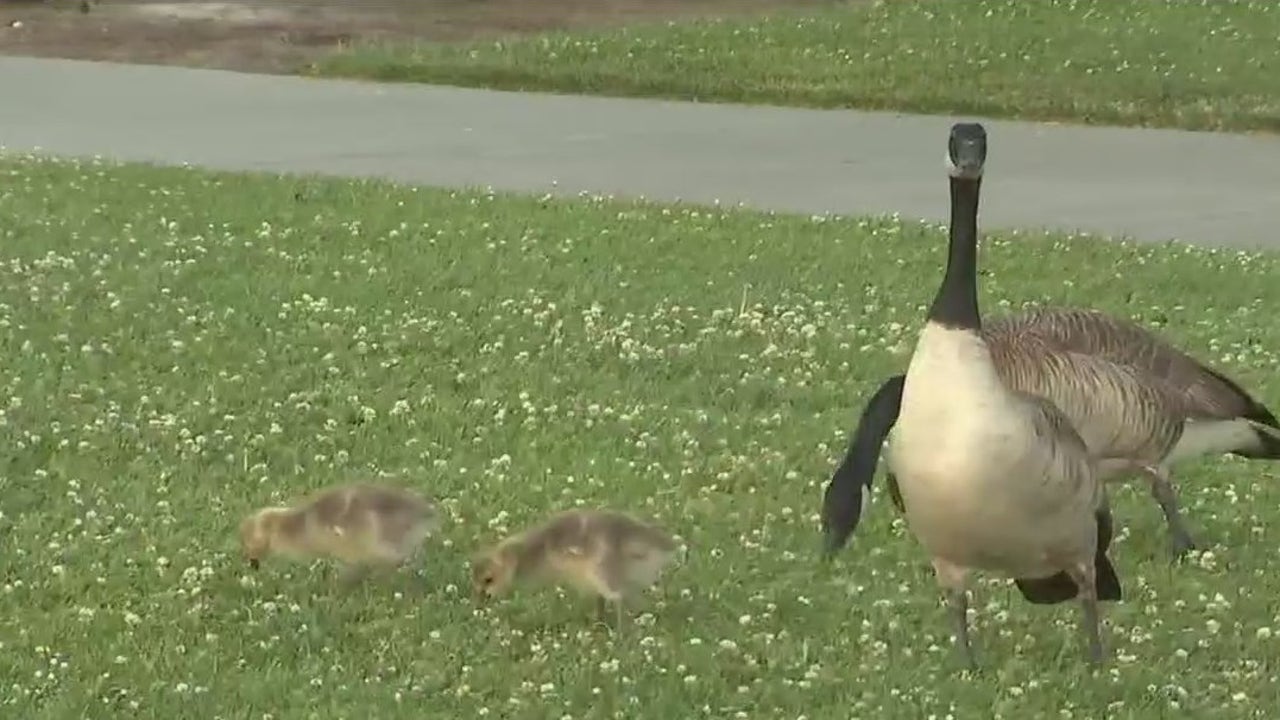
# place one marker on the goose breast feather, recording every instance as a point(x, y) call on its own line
point(1020, 501)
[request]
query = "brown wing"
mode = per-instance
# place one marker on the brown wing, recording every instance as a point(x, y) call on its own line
point(1204, 391)
point(1056, 432)
point(1117, 411)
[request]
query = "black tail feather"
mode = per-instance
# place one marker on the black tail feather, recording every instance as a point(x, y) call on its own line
point(1257, 412)
point(1060, 588)
point(842, 502)
point(1268, 443)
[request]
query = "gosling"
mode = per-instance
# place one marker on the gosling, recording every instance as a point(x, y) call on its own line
point(604, 553)
point(361, 527)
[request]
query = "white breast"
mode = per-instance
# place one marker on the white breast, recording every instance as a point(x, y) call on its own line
point(969, 466)
point(951, 399)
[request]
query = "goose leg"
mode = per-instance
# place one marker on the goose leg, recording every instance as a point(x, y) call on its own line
point(352, 575)
point(1090, 622)
point(611, 586)
point(958, 605)
point(953, 580)
point(1162, 491)
point(602, 611)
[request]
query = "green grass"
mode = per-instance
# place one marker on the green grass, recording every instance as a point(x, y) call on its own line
point(181, 347)
point(1213, 64)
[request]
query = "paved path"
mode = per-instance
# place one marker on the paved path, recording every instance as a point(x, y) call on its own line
point(1152, 185)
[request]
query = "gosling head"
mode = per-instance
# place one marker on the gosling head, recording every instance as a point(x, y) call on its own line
point(967, 151)
point(492, 574)
point(256, 532)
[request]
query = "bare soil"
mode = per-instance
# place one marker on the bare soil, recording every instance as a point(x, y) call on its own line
point(283, 36)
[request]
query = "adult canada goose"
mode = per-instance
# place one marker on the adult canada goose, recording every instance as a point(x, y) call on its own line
point(993, 478)
point(1219, 416)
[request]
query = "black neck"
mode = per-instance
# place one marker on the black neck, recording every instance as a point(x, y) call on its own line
point(956, 304)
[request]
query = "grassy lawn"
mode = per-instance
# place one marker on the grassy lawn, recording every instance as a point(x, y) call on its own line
point(182, 347)
point(1197, 65)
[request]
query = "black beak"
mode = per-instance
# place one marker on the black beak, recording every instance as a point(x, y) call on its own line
point(254, 564)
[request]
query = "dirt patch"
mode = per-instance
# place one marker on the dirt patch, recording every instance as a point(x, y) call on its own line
point(285, 35)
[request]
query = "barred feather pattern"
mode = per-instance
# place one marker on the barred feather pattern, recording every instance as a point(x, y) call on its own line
point(1192, 389)
point(1117, 412)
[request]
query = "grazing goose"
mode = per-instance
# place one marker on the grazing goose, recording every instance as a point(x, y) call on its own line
point(992, 478)
point(362, 526)
point(605, 553)
point(1219, 416)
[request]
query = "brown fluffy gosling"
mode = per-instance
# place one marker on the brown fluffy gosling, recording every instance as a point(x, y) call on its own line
point(361, 526)
point(604, 553)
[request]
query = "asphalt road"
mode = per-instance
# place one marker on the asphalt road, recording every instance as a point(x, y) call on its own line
point(1151, 185)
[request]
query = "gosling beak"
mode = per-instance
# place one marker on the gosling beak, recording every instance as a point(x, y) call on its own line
point(254, 564)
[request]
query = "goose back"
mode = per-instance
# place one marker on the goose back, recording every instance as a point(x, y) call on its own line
point(1203, 391)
